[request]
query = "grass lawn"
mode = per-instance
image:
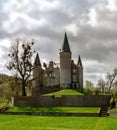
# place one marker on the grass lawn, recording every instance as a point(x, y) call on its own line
point(56, 109)
point(10, 122)
point(66, 92)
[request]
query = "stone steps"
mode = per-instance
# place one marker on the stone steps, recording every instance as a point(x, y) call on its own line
point(103, 112)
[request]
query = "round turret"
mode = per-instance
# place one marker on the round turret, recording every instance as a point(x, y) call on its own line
point(65, 65)
point(80, 73)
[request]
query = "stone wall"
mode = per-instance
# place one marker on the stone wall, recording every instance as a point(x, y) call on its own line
point(64, 101)
point(52, 114)
point(45, 90)
point(113, 113)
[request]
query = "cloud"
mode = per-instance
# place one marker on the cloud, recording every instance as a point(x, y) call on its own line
point(90, 25)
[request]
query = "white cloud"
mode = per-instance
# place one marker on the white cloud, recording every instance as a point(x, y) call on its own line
point(73, 28)
point(48, 4)
point(92, 17)
point(112, 5)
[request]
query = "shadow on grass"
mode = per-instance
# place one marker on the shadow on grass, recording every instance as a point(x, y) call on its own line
point(56, 109)
point(35, 109)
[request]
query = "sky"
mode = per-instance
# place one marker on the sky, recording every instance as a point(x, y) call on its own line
point(91, 27)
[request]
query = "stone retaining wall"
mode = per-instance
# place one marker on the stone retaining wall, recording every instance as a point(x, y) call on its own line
point(52, 114)
point(64, 101)
point(113, 112)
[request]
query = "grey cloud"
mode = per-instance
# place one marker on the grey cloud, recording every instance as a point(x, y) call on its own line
point(93, 77)
point(94, 43)
point(60, 16)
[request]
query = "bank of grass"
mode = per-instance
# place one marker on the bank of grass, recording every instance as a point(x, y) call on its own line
point(66, 92)
point(10, 122)
point(115, 108)
point(56, 109)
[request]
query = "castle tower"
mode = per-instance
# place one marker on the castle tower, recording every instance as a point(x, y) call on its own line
point(80, 73)
point(37, 75)
point(65, 64)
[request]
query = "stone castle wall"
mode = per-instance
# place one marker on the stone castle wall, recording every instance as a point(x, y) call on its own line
point(65, 69)
point(64, 101)
point(80, 77)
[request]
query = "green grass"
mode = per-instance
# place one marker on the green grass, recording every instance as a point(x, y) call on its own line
point(115, 108)
point(10, 122)
point(65, 92)
point(56, 109)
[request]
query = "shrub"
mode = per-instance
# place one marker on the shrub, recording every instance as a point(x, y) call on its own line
point(4, 104)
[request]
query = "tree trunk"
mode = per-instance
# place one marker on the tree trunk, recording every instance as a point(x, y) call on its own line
point(23, 89)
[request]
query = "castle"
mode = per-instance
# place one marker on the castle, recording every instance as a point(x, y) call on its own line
point(65, 74)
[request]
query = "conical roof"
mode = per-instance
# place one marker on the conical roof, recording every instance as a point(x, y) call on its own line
point(79, 62)
point(66, 47)
point(37, 60)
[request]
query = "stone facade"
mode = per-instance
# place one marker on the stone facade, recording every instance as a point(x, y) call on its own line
point(65, 70)
point(66, 74)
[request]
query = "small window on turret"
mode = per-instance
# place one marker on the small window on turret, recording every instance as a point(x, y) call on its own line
point(74, 71)
point(45, 76)
point(54, 76)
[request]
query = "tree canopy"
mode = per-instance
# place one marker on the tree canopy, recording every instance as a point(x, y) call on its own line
point(21, 54)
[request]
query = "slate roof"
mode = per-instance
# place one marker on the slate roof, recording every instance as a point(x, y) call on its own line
point(79, 62)
point(66, 47)
point(37, 60)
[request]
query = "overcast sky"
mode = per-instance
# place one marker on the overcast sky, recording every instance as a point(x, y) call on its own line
point(91, 27)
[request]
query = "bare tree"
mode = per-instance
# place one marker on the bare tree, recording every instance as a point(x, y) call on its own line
point(89, 87)
point(101, 84)
point(111, 77)
point(20, 60)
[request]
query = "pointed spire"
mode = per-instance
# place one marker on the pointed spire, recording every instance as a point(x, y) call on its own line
point(37, 61)
point(66, 47)
point(79, 62)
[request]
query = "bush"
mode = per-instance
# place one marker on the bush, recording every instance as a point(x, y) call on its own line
point(4, 104)
point(112, 104)
point(3, 107)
